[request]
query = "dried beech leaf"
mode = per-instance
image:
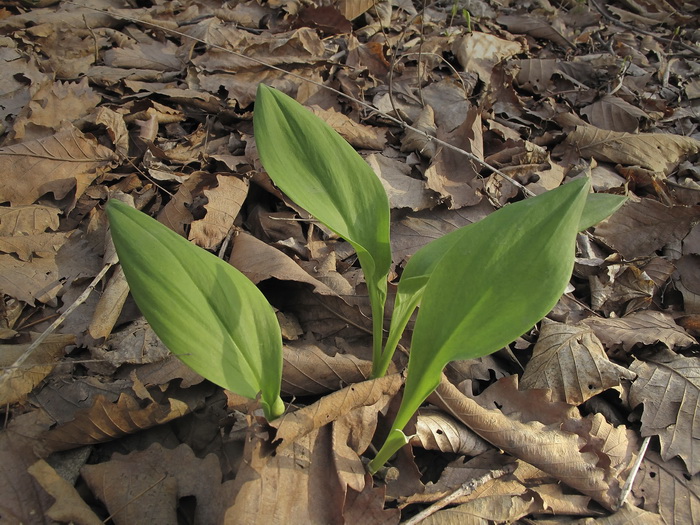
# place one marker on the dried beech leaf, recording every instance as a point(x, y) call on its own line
point(535, 27)
point(308, 370)
point(57, 164)
point(367, 507)
point(18, 382)
point(640, 228)
point(640, 328)
point(22, 498)
point(570, 361)
point(105, 421)
point(69, 507)
point(665, 488)
point(669, 387)
point(359, 135)
point(299, 481)
point(659, 152)
point(557, 452)
point(224, 204)
point(436, 430)
point(614, 113)
point(290, 427)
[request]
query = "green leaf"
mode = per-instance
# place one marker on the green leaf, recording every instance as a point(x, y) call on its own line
point(321, 172)
point(419, 268)
point(501, 276)
point(205, 311)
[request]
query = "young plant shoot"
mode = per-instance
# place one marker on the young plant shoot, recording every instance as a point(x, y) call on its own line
point(322, 173)
point(479, 287)
point(206, 312)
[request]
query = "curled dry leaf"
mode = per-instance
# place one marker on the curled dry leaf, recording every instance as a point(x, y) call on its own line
point(22, 498)
point(659, 152)
point(436, 430)
point(557, 452)
point(669, 387)
point(571, 361)
point(105, 421)
point(225, 202)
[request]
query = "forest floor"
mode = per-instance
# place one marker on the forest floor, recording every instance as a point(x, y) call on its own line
point(153, 102)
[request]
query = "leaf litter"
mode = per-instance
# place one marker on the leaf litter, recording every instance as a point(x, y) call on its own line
point(157, 103)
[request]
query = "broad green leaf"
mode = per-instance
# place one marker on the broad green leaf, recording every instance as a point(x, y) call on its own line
point(416, 273)
point(498, 279)
point(205, 311)
point(321, 172)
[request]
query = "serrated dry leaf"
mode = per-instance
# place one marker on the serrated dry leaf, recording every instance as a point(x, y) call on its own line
point(669, 387)
point(57, 164)
point(479, 52)
point(298, 483)
point(665, 488)
point(640, 328)
point(105, 421)
point(659, 152)
point(570, 361)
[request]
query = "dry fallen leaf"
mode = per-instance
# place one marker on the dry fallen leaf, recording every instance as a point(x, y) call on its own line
point(669, 387)
point(571, 362)
point(659, 152)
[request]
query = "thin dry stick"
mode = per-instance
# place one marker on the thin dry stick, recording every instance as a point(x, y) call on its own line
point(627, 487)
point(467, 488)
point(301, 78)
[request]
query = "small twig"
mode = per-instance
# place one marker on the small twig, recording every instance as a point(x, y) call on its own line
point(51, 329)
point(467, 488)
point(627, 487)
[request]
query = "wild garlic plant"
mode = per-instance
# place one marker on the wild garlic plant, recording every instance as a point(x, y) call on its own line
point(479, 287)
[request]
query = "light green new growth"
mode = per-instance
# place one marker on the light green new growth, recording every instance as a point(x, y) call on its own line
point(479, 287)
point(206, 312)
point(322, 173)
